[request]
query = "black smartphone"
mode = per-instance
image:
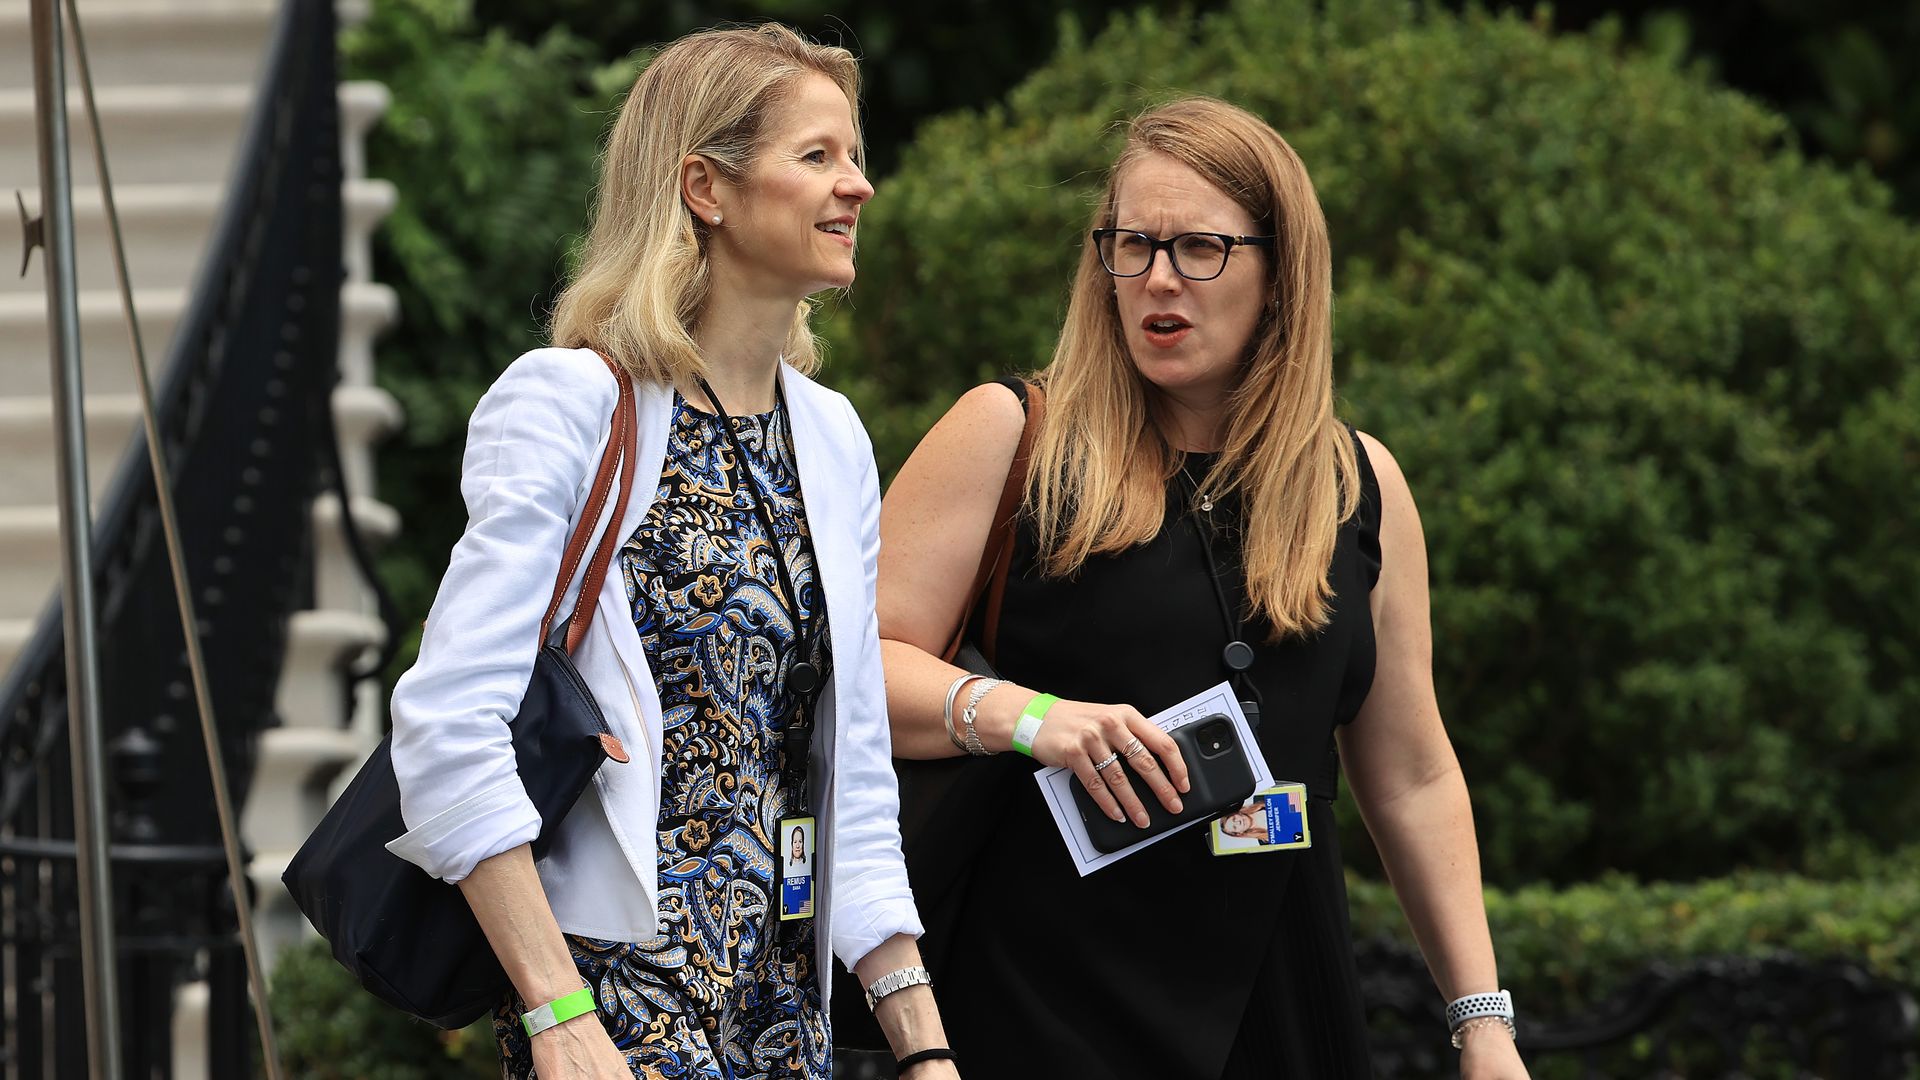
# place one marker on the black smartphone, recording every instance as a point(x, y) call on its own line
point(1218, 767)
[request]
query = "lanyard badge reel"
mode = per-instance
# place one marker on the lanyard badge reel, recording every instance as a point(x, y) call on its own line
point(796, 847)
point(1237, 657)
point(1275, 818)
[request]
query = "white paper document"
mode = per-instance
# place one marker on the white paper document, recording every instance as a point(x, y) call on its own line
point(1056, 784)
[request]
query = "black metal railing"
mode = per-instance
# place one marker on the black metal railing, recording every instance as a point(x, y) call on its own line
point(1718, 1019)
point(1780, 1017)
point(240, 408)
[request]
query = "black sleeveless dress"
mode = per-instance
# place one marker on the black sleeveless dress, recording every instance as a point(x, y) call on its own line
point(1173, 962)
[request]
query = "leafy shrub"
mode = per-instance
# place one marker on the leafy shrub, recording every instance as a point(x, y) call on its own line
point(1564, 951)
point(492, 143)
point(1651, 375)
point(915, 60)
point(328, 1028)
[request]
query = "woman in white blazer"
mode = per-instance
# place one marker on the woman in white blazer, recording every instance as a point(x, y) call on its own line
point(730, 193)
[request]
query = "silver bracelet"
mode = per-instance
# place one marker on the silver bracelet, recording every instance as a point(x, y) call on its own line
point(1460, 1033)
point(973, 744)
point(895, 981)
point(947, 714)
point(1497, 1006)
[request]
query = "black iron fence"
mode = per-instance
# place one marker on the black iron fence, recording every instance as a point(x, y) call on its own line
point(1780, 1017)
point(249, 371)
point(1721, 1019)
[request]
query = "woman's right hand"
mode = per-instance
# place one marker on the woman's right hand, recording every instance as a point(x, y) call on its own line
point(1082, 734)
point(579, 1048)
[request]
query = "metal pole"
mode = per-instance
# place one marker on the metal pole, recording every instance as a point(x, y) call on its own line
point(182, 588)
point(76, 534)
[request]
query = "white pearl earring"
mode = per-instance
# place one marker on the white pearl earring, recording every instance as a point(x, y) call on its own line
point(716, 219)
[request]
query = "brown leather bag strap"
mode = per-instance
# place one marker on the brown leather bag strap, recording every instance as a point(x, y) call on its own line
point(612, 538)
point(996, 557)
point(621, 440)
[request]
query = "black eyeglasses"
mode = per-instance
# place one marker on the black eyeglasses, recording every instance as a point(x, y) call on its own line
point(1196, 256)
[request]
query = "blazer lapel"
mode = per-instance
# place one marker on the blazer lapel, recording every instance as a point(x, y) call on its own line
point(653, 412)
point(828, 487)
point(832, 517)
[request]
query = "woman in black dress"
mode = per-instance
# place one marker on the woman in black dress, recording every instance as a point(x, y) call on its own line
point(1188, 433)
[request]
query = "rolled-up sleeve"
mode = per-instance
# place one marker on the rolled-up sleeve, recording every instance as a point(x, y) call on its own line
point(871, 898)
point(530, 445)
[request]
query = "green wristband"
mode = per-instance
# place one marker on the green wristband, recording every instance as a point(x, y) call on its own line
point(558, 1011)
point(1031, 717)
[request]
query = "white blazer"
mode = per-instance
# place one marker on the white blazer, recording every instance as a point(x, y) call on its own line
point(533, 445)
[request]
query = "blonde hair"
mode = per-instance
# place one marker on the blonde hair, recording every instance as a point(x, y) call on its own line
point(642, 278)
point(1101, 463)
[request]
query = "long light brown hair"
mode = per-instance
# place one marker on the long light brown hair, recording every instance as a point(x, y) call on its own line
point(642, 277)
point(1101, 462)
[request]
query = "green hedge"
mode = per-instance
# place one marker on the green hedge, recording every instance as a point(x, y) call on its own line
point(1564, 951)
point(493, 143)
point(328, 1028)
point(1652, 376)
point(1568, 953)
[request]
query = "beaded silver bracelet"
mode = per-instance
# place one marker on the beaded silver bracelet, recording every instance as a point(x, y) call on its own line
point(1460, 1033)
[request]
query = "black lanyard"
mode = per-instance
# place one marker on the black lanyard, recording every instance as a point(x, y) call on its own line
point(1237, 657)
point(804, 678)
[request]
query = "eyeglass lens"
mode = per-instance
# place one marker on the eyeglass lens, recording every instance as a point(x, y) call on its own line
point(1197, 256)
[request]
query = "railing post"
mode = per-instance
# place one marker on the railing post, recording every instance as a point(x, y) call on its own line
point(76, 536)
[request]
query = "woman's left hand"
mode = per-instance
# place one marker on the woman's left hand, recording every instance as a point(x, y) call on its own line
point(1487, 1053)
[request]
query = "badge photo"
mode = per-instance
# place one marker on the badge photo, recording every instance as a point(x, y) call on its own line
point(1275, 819)
point(796, 851)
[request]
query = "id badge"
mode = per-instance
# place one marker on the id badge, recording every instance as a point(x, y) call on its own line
point(796, 850)
point(1275, 819)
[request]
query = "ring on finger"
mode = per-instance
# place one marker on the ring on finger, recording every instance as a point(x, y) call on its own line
point(1106, 761)
point(1133, 749)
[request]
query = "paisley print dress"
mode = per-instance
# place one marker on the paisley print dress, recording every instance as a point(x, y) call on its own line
point(719, 993)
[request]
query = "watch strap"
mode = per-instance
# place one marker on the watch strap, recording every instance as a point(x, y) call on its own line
point(1474, 1010)
point(895, 981)
point(1466, 1008)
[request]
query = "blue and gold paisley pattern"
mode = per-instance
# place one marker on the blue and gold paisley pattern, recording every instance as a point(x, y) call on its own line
point(718, 994)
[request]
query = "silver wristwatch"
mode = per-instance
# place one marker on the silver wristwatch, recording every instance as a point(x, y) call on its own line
point(895, 981)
